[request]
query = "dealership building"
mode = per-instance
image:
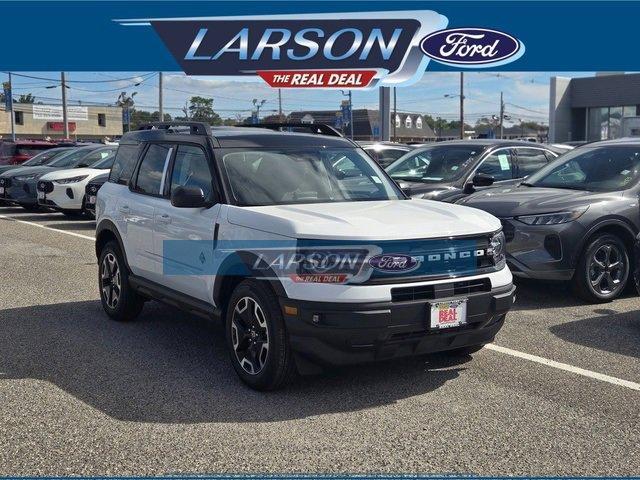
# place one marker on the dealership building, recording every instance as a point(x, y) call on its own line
point(37, 121)
point(593, 108)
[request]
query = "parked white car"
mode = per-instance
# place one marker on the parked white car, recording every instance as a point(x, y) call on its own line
point(64, 190)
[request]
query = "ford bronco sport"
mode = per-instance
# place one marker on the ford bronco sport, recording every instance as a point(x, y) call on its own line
point(300, 243)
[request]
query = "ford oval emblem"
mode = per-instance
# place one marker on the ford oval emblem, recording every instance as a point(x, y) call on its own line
point(394, 263)
point(472, 47)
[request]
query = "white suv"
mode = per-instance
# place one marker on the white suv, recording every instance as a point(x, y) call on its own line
point(300, 243)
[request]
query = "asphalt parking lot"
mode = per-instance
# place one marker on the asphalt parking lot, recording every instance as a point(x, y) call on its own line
point(79, 394)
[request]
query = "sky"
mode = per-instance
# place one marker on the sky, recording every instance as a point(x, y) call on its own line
point(526, 94)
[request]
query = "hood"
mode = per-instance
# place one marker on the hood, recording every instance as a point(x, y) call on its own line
point(73, 172)
point(522, 200)
point(419, 188)
point(28, 171)
point(6, 168)
point(378, 220)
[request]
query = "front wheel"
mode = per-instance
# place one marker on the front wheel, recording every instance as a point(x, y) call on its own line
point(603, 270)
point(256, 337)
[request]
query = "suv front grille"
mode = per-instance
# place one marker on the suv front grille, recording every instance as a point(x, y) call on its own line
point(46, 187)
point(442, 290)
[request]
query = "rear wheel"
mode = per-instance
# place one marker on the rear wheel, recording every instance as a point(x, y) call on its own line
point(603, 269)
point(256, 337)
point(118, 299)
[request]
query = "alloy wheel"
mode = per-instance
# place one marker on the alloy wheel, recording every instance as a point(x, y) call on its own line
point(250, 335)
point(607, 269)
point(110, 280)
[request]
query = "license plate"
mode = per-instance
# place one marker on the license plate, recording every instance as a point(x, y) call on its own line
point(451, 313)
point(91, 199)
point(1, 190)
point(41, 195)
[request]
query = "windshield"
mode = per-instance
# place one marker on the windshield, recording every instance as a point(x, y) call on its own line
point(314, 175)
point(46, 157)
point(71, 159)
point(385, 156)
point(605, 168)
point(106, 162)
point(441, 163)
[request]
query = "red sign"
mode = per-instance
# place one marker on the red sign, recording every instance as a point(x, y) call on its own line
point(59, 126)
point(318, 78)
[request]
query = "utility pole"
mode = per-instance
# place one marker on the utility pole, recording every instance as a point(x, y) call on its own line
point(12, 113)
point(280, 105)
point(462, 105)
point(395, 114)
point(501, 116)
point(160, 99)
point(351, 114)
point(65, 118)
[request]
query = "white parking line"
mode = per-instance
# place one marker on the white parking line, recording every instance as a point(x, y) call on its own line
point(73, 234)
point(566, 367)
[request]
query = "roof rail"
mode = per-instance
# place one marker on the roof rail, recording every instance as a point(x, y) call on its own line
point(316, 128)
point(195, 128)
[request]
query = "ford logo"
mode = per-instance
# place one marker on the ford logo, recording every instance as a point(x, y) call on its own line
point(394, 263)
point(473, 47)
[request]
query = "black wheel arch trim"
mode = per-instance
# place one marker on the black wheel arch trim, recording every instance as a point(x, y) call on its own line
point(609, 222)
point(109, 226)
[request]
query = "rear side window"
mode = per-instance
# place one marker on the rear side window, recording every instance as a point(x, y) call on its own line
point(125, 162)
point(530, 160)
point(191, 169)
point(151, 174)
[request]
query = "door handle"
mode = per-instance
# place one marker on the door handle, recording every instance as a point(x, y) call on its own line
point(124, 208)
point(164, 218)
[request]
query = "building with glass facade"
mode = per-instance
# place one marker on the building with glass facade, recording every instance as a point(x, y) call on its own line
point(592, 108)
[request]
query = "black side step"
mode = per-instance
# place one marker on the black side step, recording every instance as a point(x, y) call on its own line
point(166, 295)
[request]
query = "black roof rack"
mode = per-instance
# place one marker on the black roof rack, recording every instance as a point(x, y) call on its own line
point(317, 128)
point(195, 128)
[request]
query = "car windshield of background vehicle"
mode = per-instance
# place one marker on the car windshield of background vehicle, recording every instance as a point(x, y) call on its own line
point(106, 162)
point(43, 158)
point(605, 169)
point(385, 156)
point(287, 176)
point(443, 163)
point(71, 159)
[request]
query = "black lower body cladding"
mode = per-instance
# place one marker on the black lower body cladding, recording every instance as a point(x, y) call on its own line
point(335, 334)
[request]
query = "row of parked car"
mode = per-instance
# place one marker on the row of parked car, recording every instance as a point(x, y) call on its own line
point(573, 218)
point(62, 179)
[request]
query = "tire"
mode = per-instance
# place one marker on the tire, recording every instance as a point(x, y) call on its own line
point(253, 319)
point(119, 300)
point(603, 269)
point(75, 214)
point(463, 351)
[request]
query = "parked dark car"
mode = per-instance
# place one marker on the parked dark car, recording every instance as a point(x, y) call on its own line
point(43, 158)
point(19, 186)
point(450, 170)
point(574, 220)
point(18, 152)
point(385, 153)
point(90, 192)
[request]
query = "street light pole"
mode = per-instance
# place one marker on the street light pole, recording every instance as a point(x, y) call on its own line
point(65, 118)
point(501, 116)
point(395, 114)
point(462, 105)
point(160, 99)
point(280, 105)
point(12, 113)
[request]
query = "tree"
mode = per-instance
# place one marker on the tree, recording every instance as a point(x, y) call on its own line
point(28, 98)
point(141, 117)
point(201, 110)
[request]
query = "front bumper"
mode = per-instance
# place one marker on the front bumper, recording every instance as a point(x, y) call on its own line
point(20, 192)
point(350, 333)
point(545, 252)
point(60, 197)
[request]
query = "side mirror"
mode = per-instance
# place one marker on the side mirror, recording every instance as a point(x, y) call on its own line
point(482, 180)
point(188, 197)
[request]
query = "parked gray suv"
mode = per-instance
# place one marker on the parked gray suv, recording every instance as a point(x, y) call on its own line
point(575, 219)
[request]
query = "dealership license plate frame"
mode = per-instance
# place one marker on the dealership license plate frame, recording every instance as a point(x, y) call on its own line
point(460, 309)
point(42, 195)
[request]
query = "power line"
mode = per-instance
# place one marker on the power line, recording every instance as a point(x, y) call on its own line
point(145, 76)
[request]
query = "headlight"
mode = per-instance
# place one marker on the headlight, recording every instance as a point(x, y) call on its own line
point(24, 178)
point(553, 218)
point(497, 250)
point(63, 181)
